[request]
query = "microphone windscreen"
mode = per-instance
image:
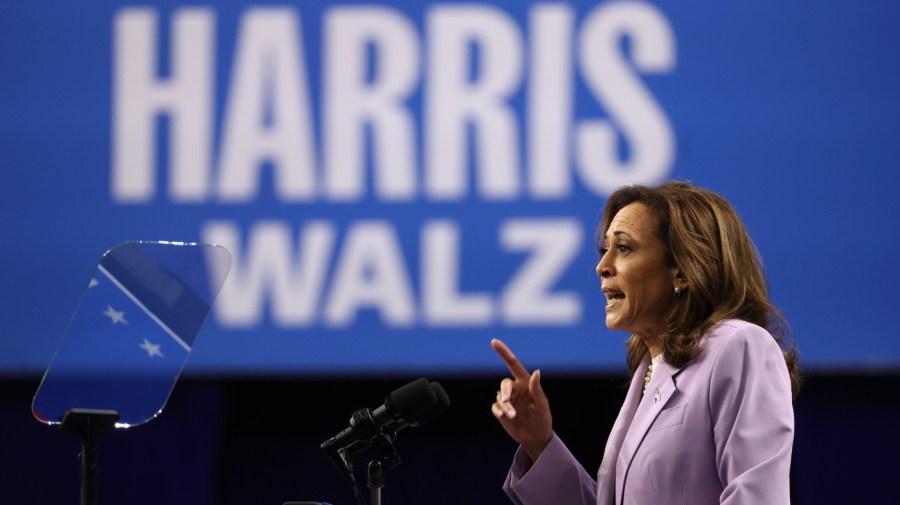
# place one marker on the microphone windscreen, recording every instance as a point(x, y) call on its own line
point(443, 401)
point(409, 401)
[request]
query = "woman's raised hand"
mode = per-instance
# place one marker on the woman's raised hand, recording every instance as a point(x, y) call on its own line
point(521, 406)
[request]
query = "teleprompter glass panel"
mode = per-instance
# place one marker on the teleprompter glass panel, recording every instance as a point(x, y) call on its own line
point(133, 330)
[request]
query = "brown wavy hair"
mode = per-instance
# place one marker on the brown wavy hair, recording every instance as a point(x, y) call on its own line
point(706, 240)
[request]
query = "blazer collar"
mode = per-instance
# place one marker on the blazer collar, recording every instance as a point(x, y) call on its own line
point(649, 405)
point(606, 475)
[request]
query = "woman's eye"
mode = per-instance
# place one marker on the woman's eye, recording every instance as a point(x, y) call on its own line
point(622, 248)
point(602, 251)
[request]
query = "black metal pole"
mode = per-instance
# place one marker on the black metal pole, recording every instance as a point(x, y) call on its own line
point(89, 452)
point(90, 424)
point(376, 480)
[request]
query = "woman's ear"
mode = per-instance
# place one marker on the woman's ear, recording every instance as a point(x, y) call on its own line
point(680, 281)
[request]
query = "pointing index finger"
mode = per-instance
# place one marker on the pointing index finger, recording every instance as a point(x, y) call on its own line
point(512, 362)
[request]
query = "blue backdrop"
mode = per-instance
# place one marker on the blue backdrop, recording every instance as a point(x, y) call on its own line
point(400, 182)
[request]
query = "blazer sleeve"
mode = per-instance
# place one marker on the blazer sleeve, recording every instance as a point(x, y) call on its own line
point(752, 418)
point(556, 478)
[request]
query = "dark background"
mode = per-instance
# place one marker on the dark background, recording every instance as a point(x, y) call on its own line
point(230, 441)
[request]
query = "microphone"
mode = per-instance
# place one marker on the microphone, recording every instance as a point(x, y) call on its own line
point(411, 405)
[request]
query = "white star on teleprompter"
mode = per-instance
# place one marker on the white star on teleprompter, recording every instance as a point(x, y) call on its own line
point(152, 349)
point(117, 316)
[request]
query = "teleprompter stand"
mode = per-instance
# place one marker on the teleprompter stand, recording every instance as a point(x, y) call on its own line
point(90, 425)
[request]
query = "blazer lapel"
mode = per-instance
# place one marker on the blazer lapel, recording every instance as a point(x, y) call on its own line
point(659, 392)
point(606, 475)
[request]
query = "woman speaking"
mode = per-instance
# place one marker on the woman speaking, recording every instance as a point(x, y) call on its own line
point(708, 417)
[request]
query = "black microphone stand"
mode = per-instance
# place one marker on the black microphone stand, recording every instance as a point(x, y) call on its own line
point(382, 438)
point(410, 405)
point(384, 442)
point(376, 480)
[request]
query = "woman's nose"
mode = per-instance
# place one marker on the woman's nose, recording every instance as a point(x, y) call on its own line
point(603, 269)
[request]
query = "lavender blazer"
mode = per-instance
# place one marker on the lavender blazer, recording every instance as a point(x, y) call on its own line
point(718, 431)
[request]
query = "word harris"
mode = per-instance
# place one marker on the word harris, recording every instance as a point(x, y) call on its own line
point(434, 114)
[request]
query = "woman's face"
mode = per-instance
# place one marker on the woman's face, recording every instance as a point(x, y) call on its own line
point(636, 280)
